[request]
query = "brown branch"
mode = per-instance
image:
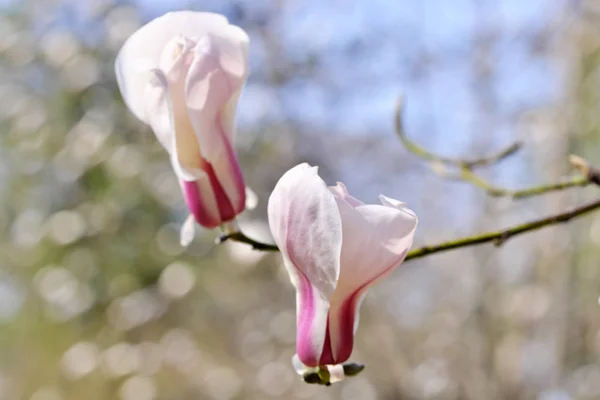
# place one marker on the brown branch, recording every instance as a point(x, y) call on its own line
point(498, 238)
point(242, 238)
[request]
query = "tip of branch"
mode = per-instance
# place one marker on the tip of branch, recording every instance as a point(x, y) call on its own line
point(583, 166)
point(440, 169)
point(495, 158)
point(222, 238)
point(579, 164)
point(399, 109)
point(516, 146)
point(400, 102)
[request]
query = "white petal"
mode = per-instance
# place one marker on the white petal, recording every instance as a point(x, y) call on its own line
point(340, 191)
point(251, 199)
point(188, 231)
point(158, 108)
point(389, 202)
point(186, 148)
point(209, 88)
point(142, 51)
point(336, 373)
point(375, 237)
point(187, 174)
point(306, 225)
point(300, 368)
point(376, 240)
point(230, 227)
point(359, 302)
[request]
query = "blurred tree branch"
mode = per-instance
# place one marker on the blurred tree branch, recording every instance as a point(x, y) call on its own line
point(425, 154)
point(440, 165)
point(468, 175)
point(588, 175)
point(500, 237)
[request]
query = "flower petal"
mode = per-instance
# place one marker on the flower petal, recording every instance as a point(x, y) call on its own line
point(336, 373)
point(188, 231)
point(208, 88)
point(300, 368)
point(389, 202)
point(251, 199)
point(200, 199)
point(234, 45)
point(376, 240)
point(142, 51)
point(306, 225)
point(229, 174)
point(340, 191)
point(185, 152)
point(158, 108)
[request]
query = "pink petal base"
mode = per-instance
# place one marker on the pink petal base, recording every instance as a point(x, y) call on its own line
point(235, 185)
point(346, 319)
point(196, 199)
point(306, 316)
point(348, 313)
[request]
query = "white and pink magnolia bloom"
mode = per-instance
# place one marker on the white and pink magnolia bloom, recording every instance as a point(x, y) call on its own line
point(334, 248)
point(182, 74)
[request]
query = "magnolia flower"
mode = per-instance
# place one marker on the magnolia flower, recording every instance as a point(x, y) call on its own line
point(182, 74)
point(334, 248)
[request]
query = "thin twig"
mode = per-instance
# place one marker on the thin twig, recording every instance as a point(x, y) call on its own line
point(500, 237)
point(465, 167)
point(242, 238)
point(469, 176)
point(496, 237)
point(428, 155)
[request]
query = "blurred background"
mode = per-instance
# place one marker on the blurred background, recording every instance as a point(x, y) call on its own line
point(99, 301)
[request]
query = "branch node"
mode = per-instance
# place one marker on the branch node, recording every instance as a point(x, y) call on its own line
point(584, 167)
point(501, 239)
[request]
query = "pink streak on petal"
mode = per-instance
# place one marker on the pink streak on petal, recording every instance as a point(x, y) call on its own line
point(304, 321)
point(196, 202)
point(348, 313)
point(327, 354)
point(208, 88)
point(225, 209)
point(229, 173)
point(306, 225)
point(346, 337)
point(196, 196)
